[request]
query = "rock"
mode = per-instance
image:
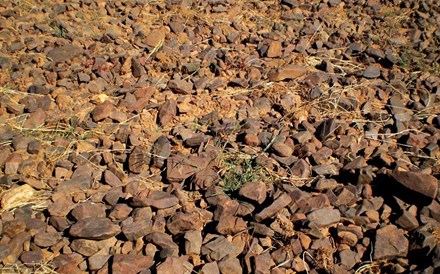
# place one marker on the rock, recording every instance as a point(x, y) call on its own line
point(371, 72)
point(161, 151)
point(138, 160)
point(181, 222)
point(96, 262)
point(88, 210)
point(180, 168)
point(64, 53)
point(155, 37)
point(94, 229)
point(281, 149)
point(230, 225)
point(275, 49)
point(421, 185)
point(180, 86)
point(130, 263)
point(407, 221)
point(61, 207)
point(31, 257)
point(165, 242)
point(111, 179)
point(349, 258)
point(255, 191)
point(102, 111)
point(47, 239)
point(157, 199)
point(120, 212)
point(324, 217)
point(77, 184)
point(230, 265)
point(173, 265)
point(280, 203)
point(286, 73)
point(252, 140)
point(218, 248)
point(137, 229)
point(210, 268)
point(193, 242)
point(263, 263)
point(390, 243)
point(89, 247)
point(167, 112)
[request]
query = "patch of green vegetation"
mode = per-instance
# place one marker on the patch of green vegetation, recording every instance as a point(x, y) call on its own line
point(238, 172)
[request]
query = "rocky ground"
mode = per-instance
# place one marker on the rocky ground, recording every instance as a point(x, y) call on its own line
point(219, 136)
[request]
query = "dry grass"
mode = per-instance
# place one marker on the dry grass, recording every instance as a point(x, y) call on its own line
point(35, 268)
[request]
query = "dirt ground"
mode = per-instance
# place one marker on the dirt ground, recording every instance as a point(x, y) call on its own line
point(219, 136)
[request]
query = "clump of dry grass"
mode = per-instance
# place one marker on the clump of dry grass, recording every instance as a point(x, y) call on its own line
point(34, 268)
point(24, 195)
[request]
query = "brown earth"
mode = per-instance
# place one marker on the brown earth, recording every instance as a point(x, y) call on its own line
point(219, 136)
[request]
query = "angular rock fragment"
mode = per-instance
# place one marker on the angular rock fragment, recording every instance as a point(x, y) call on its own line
point(286, 73)
point(94, 229)
point(390, 243)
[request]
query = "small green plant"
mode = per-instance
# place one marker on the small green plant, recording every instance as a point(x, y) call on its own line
point(238, 172)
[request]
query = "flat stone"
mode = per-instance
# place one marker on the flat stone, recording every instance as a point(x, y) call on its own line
point(423, 185)
point(157, 199)
point(286, 73)
point(167, 112)
point(181, 222)
point(255, 191)
point(102, 111)
point(324, 217)
point(64, 53)
point(390, 243)
point(173, 265)
point(161, 151)
point(275, 49)
point(280, 203)
point(281, 149)
point(96, 262)
point(130, 263)
point(77, 184)
point(138, 160)
point(218, 248)
point(47, 239)
point(193, 242)
point(230, 265)
point(88, 210)
point(94, 229)
point(210, 268)
point(165, 242)
point(371, 72)
point(230, 225)
point(180, 86)
point(137, 229)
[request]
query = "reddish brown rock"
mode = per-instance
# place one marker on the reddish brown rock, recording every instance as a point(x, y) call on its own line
point(275, 49)
point(130, 263)
point(181, 222)
point(280, 203)
point(424, 185)
point(94, 229)
point(281, 149)
point(230, 225)
point(167, 112)
point(286, 73)
point(180, 86)
point(137, 229)
point(102, 111)
point(255, 191)
point(324, 217)
point(138, 160)
point(390, 243)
